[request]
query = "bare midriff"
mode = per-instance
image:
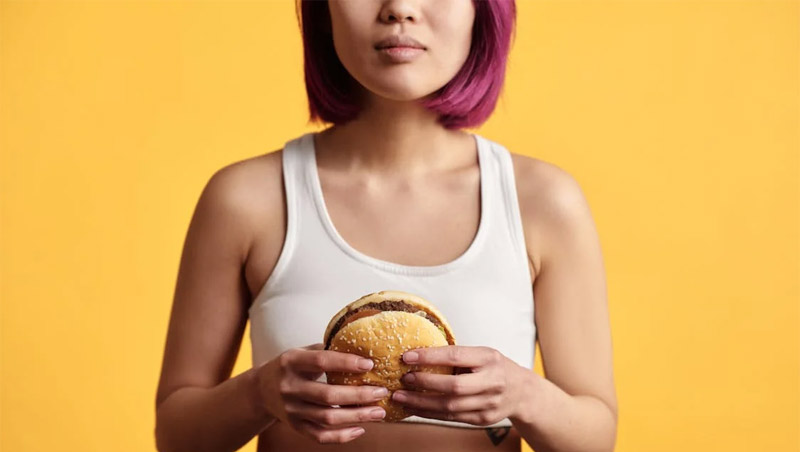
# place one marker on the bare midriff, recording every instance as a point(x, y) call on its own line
point(397, 437)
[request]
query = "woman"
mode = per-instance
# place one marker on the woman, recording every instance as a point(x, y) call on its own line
point(392, 196)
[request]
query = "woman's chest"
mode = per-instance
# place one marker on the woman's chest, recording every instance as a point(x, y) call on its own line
point(428, 225)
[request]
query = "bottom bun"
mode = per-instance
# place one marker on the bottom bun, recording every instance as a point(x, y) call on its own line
point(383, 338)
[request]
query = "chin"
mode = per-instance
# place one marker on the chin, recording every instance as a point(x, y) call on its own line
point(403, 89)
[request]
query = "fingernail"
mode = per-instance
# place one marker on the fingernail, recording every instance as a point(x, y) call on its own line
point(399, 396)
point(379, 413)
point(357, 432)
point(380, 392)
point(409, 378)
point(410, 357)
point(365, 364)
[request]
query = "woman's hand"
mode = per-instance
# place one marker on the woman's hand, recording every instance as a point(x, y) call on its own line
point(289, 391)
point(490, 390)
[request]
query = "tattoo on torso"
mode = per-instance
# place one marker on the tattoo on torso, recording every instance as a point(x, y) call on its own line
point(497, 434)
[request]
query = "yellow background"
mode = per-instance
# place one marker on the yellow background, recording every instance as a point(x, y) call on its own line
point(678, 118)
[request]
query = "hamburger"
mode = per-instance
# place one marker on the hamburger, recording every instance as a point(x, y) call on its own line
point(381, 326)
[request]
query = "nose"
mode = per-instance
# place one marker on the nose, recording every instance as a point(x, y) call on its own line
point(399, 11)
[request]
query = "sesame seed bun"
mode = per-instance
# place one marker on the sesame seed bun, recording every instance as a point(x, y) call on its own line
point(383, 337)
point(392, 295)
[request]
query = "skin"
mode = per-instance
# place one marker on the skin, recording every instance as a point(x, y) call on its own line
point(412, 144)
point(422, 170)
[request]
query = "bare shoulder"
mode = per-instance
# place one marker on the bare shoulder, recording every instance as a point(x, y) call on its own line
point(548, 196)
point(540, 182)
point(257, 184)
point(250, 190)
point(245, 180)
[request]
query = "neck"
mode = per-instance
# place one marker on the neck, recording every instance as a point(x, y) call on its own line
point(397, 138)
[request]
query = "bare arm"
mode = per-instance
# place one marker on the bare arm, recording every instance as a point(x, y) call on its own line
point(574, 408)
point(222, 418)
point(198, 406)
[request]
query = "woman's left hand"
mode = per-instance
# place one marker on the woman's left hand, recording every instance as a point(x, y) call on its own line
point(491, 390)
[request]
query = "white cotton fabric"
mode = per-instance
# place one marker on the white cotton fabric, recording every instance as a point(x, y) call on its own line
point(486, 293)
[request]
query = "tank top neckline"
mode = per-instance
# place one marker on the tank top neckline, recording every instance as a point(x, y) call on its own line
point(308, 146)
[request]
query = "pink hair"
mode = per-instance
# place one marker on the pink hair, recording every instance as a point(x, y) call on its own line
point(466, 101)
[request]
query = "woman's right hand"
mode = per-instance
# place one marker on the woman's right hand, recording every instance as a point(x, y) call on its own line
point(289, 391)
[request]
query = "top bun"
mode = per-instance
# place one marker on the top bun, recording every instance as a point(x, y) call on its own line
point(391, 295)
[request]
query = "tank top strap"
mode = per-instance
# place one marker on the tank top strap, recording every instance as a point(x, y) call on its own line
point(296, 196)
point(507, 215)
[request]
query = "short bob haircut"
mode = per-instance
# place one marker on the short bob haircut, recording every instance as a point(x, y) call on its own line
point(466, 101)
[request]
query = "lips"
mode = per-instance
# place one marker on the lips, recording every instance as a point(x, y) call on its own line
point(399, 41)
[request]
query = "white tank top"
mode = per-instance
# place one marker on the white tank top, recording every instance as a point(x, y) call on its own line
point(486, 293)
